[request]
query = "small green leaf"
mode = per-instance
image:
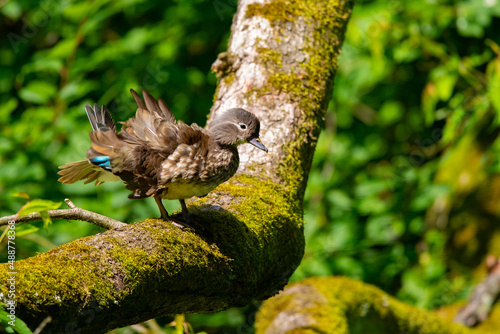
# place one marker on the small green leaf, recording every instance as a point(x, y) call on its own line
point(7, 108)
point(28, 230)
point(46, 219)
point(43, 64)
point(38, 205)
point(12, 10)
point(429, 102)
point(21, 195)
point(493, 74)
point(38, 91)
point(445, 85)
point(19, 326)
point(390, 112)
point(63, 49)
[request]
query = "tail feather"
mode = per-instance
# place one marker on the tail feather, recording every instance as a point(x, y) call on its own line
point(111, 152)
point(105, 146)
point(100, 119)
point(83, 170)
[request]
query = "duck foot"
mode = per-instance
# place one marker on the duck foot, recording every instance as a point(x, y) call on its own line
point(185, 214)
point(176, 222)
point(181, 224)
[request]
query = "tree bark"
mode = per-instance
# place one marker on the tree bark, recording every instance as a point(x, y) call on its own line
point(248, 236)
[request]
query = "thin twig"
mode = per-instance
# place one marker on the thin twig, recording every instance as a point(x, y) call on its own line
point(74, 213)
point(482, 299)
point(42, 325)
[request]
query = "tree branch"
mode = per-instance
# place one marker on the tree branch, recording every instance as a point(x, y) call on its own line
point(482, 299)
point(248, 236)
point(74, 213)
point(344, 305)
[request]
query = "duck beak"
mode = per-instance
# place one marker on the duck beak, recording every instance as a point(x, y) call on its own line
point(257, 143)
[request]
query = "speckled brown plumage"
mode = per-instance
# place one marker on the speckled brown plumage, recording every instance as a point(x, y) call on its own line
point(157, 156)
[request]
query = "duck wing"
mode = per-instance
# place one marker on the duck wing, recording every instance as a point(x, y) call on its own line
point(154, 126)
point(153, 106)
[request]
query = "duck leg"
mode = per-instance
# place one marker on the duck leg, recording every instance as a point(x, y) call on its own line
point(165, 216)
point(185, 212)
point(163, 211)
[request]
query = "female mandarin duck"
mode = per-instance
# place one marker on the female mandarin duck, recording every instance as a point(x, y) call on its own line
point(155, 156)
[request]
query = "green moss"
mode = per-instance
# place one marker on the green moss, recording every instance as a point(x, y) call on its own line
point(343, 305)
point(65, 285)
point(279, 220)
point(307, 307)
point(285, 11)
point(224, 69)
point(270, 56)
point(228, 79)
point(99, 270)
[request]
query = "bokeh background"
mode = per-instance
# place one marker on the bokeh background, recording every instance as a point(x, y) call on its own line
point(404, 192)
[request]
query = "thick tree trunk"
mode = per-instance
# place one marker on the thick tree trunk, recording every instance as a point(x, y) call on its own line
point(249, 239)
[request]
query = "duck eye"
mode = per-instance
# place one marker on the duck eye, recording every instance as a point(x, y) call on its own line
point(243, 126)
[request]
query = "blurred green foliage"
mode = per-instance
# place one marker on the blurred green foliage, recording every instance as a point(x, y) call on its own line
point(404, 189)
point(409, 149)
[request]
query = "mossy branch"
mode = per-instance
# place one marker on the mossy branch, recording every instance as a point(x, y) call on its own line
point(248, 234)
point(140, 271)
point(74, 213)
point(342, 305)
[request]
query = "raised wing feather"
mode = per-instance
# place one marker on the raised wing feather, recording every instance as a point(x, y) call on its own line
point(153, 106)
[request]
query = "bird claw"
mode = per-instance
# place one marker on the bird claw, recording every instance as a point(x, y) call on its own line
point(181, 224)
